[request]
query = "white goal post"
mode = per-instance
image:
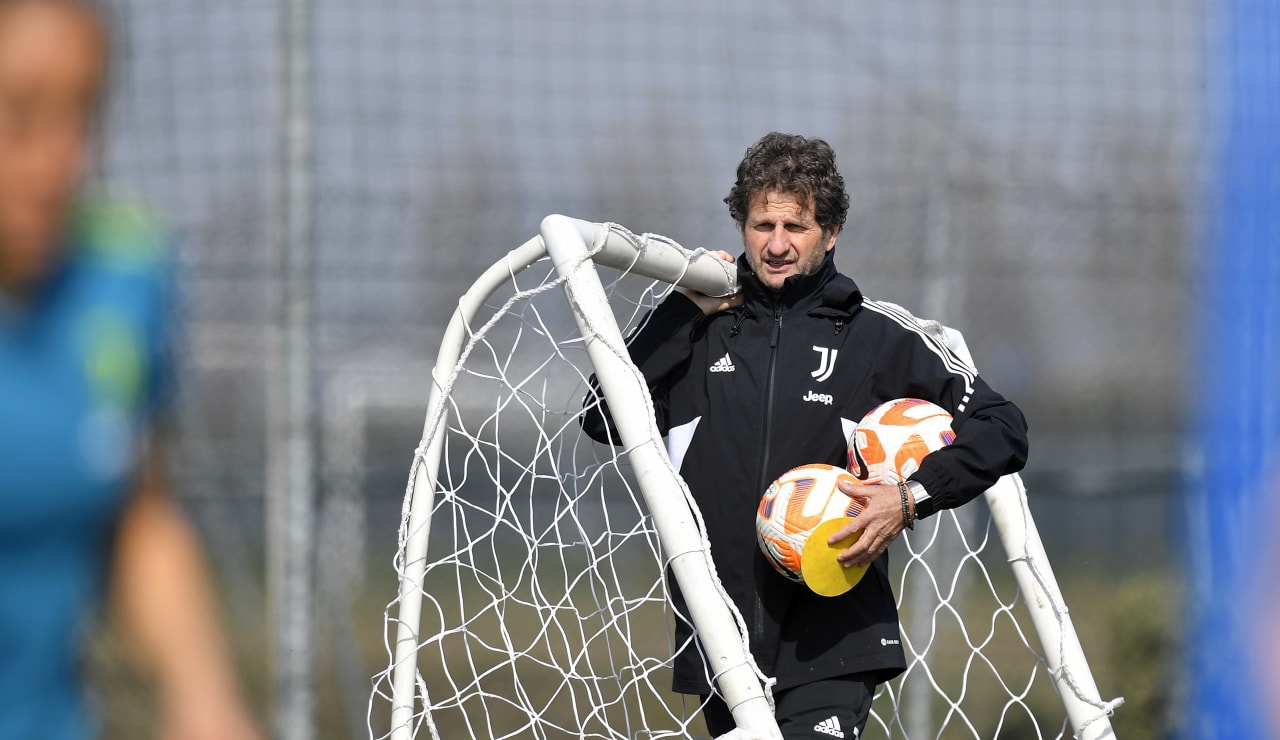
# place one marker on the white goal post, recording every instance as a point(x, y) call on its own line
point(486, 616)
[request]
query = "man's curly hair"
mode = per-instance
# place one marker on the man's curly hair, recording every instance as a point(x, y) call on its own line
point(792, 164)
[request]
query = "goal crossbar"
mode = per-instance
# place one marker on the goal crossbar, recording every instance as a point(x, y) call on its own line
point(573, 246)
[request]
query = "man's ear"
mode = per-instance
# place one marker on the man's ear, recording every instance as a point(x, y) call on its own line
point(831, 238)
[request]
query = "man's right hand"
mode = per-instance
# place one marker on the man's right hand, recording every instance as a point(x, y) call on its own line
point(714, 304)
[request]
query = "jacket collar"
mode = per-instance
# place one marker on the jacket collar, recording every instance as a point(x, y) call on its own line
point(823, 292)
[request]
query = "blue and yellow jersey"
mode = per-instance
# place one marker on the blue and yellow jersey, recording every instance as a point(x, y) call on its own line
point(84, 365)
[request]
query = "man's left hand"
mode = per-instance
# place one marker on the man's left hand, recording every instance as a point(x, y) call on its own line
point(880, 522)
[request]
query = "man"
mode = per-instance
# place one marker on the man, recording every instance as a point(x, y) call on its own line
point(736, 424)
point(85, 514)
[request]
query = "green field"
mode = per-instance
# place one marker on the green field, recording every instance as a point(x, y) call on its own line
point(1129, 626)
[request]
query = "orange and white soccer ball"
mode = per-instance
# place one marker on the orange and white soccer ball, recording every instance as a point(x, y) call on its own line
point(890, 442)
point(799, 500)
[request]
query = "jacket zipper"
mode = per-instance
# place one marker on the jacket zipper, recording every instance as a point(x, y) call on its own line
point(757, 626)
point(768, 398)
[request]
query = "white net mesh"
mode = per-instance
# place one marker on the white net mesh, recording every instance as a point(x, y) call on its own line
point(546, 612)
point(545, 606)
point(974, 665)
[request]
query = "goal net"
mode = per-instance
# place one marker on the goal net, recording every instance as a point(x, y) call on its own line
point(534, 563)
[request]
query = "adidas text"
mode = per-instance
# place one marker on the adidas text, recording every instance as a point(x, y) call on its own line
point(722, 365)
point(818, 397)
point(829, 726)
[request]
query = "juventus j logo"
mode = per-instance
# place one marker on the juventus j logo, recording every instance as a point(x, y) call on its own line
point(826, 363)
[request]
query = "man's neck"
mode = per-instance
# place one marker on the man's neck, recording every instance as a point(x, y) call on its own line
point(15, 288)
point(9, 287)
point(11, 301)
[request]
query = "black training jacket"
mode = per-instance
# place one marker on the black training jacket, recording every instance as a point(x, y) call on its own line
point(743, 396)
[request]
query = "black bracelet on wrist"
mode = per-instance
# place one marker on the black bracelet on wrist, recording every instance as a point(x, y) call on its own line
point(907, 520)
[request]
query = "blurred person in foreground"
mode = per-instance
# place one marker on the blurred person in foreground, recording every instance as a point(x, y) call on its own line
point(85, 515)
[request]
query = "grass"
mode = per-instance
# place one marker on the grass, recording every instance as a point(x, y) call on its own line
point(1129, 626)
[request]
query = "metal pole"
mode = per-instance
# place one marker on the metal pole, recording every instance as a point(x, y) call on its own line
point(290, 495)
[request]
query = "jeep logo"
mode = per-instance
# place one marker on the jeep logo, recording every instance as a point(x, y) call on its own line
point(818, 398)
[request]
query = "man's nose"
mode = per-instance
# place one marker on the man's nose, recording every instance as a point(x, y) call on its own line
point(779, 243)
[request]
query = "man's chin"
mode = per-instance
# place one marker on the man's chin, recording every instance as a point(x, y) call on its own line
point(775, 280)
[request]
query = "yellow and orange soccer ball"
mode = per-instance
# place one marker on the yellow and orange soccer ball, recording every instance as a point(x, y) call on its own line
point(793, 506)
point(887, 446)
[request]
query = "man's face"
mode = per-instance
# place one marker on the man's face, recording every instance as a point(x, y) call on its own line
point(783, 239)
point(51, 60)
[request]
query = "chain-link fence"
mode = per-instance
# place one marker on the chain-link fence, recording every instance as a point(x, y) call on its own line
point(1028, 172)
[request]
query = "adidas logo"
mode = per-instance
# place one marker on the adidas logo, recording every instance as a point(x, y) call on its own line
point(722, 365)
point(830, 726)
